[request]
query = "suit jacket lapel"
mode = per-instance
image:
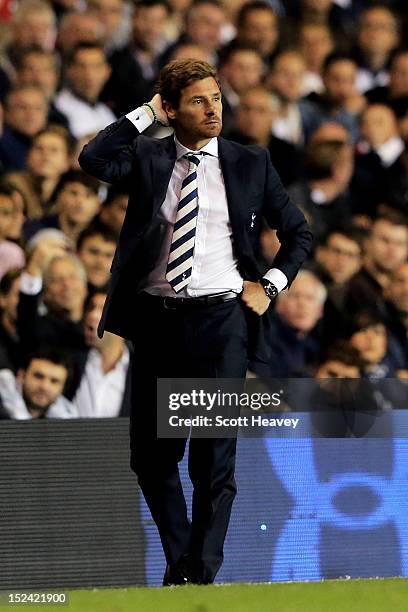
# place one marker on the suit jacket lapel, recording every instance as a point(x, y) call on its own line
point(162, 164)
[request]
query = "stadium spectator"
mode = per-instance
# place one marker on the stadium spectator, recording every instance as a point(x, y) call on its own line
point(342, 360)
point(114, 209)
point(25, 114)
point(324, 195)
point(296, 117)
point(87, 73)
point(190, 51)
point(340, 100)
point(397, 87)
point(10, 357)
point(48, 158)
point(135, 68)
point(76, 201)
point(240, 69)
point(256, 114)
point(33, 23)
point(52, 295)
point(96, 248)
point(315, 44)
point(293, 341)
point(339, 256)
point(368, 335)
point(380, 147)
point(258, 26)
point(78, 27)
point(330, 130)
point(385, 249)
point(41, 67)
point(11, 255)
point(377, 37)
point(114, 17)
point(104, 386)
point(37, 391)
point(203, 26)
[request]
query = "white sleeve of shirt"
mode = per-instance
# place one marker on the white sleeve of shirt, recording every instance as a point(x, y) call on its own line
point(30, 285)
point(140, 119)
point(277, 278)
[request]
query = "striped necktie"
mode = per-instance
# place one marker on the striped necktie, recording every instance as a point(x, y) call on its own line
point(180, 263)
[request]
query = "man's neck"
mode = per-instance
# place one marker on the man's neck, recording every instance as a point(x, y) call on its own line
point(380, 276)
point(69, 227)
point(187, 141)
point(376, 60)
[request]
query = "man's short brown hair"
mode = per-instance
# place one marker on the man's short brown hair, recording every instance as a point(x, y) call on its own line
point(179, 74)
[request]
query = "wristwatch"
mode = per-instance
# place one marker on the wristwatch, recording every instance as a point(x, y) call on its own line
point(269, 288)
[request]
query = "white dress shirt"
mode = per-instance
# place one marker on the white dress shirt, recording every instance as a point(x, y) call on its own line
point(100, 394)
point(83, 118)
point(215, 267)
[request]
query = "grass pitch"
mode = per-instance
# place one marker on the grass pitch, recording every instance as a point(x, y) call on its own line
point(376, 595)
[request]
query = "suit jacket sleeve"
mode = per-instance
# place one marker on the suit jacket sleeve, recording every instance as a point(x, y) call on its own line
point(110, 155)
point(292, 229)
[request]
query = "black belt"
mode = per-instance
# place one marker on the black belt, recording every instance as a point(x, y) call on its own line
point(172, 303)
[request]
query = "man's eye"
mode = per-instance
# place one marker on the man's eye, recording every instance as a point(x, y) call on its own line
point(197, 101)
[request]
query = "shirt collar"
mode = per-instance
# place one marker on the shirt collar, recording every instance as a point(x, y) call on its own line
point(211, 148)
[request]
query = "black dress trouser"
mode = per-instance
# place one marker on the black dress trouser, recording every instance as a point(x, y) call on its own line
point(209, 341)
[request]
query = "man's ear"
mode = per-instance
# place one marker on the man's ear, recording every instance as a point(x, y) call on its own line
point(20, 376)
point(169, 110)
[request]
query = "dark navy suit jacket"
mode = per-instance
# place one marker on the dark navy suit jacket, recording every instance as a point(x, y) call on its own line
point(144, 165)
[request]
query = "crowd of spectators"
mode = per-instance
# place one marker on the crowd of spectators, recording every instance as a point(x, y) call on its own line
point(321, 84)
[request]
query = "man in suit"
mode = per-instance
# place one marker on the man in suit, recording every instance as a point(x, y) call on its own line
point(187, 290)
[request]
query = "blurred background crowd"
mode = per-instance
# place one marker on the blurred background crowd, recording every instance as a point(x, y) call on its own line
point(322, 84)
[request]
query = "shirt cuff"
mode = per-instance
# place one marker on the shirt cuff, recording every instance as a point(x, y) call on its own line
point(140, 119)
point(277, 278)
point(30, 285)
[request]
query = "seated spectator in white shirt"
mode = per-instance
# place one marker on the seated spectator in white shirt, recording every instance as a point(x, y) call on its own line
point(86, 74)
point(36, 392)
point(104, 388)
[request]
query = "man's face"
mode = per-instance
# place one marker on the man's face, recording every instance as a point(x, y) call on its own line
point(204, 26)
point(66, 289)
point(371, 342)
point(148, 26)
point(9, 301)
point(397, 290)
point(40, 70)
point(79, 28)
point(48, 156)
point(109, 12)
point(27, 111)
point(341, 258)
point(378, 31)
point(97, 254)
point(340, 80)
point(92, 318)
point(260, 30)
point(43, 382)
point(243, 70)
point(35, 28)
point(301, 306)
point(78, 203)
point(199, 114)
point(255, 115)
point(89, 73)
point(316, 43)
point(378, 125)
point(6, 215)
point(387, 246)
point(287, 77)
